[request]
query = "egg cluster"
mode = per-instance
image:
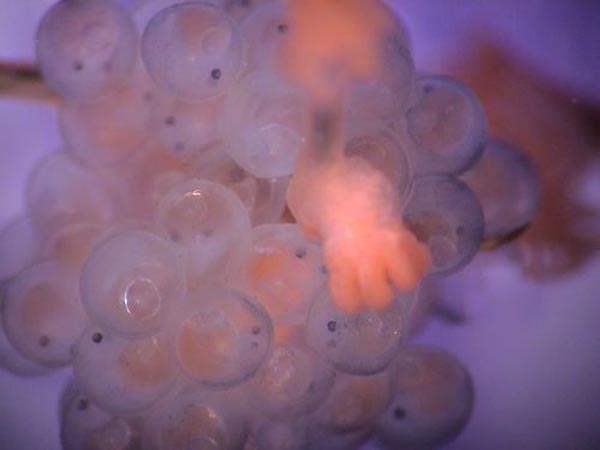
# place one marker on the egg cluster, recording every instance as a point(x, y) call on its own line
point(158, 259)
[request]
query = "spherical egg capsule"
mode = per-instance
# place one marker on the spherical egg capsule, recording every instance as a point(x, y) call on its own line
point(446, 122)
point(11, 359)
point(197, 419)
point(293, 381)
point(86, 48)
point(42, 313)
point(264, 31)
point(433, 399)
point(507, 186)
point(274, 435)
point(84, 426)
point(262, 124)
point(108, 131)
point(384, 95)
point(219, 336)
point(211, 226)
point(130, 281)
point(19, 247)
point(59, 192)
point(361, 343)
point(192, 50)
point(283, 271)
point(264, 198)
point(355, 402)
point(385, 150)
point(188, 130)
point(444, 213)
point(123, 376)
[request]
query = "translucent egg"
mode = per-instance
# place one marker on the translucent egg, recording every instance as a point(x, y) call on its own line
point(42, 314)
point(283, 271)
point(11, 359)
point(123, 376)
point(19, 247)
point(362, 343)
point(86, 48)
point(384, 96)
point(445, 214)
point(130, 281)
point(211, 226)
point(384, 149)
point(196, 419)
point(262, 124)
point(446, 122)
point(265, 31)
point(433, 399)
point(59, 192)
point(219, 336)
point(188, 130)
point(264, 198)
point(507, 185)
point(86, 427)
point(272, 435)
point(192, 50)
point(293, 381)
point(108, 131)
point(355, 402)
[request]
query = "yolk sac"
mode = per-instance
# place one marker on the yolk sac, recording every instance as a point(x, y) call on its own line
point(283, 272)
point(123, 376)
point(130, 281)
point(213, 339)
point(42, 313)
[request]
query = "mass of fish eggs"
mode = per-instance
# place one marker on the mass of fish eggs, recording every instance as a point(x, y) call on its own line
point(158, 259)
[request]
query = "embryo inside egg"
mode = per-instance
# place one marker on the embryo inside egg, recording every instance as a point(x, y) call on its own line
point(244, 209)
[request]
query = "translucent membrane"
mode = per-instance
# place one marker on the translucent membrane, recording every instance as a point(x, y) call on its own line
point(293, 381)
point(433, 399)
point(265, 31)
point(272, 435)
point(42, 314)
point(384, 96)
point(219, 336)
point(355, 403)
point(283, 271)
point(362, 343)
point(72, 244)
point(192, 50)
point(130, 281)
point(385, 151)
point(445, 214)
point(86, 48)
point(188, 130)
point(211, 226)
point(11, 359)
point(123, 376)
point(262, 124)
point(196, 419)
point(86, 427)
point(264, 198)
point(447, 125)
point(108, 131)
point(507, 185)
point(60, 192)
point(19, 247)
